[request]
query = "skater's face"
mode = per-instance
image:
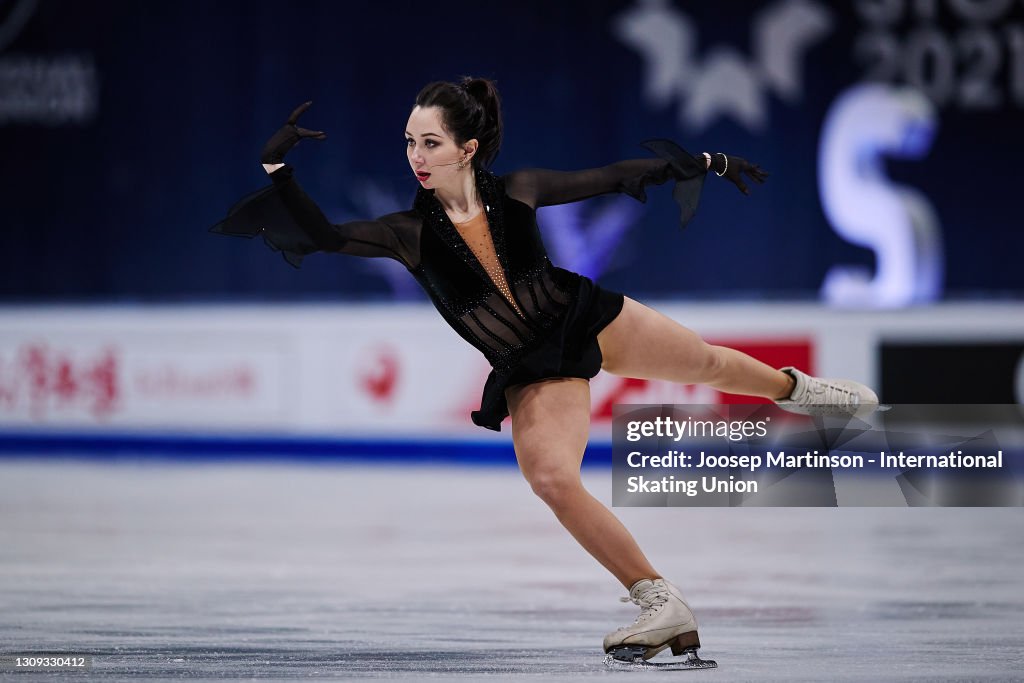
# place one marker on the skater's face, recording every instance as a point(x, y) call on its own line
point(433, 153)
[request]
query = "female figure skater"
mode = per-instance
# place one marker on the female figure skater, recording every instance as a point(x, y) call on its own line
point(471, 240)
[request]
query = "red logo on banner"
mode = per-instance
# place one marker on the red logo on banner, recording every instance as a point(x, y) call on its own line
point(44, 379)
point(380, 380)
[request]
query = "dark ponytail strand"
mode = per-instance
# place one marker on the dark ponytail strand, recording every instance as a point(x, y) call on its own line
point(485, 92)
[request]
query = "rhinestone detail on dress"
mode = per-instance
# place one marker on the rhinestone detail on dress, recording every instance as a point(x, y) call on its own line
point(477, 234)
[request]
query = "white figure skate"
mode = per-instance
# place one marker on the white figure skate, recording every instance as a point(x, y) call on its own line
point(822, 396)
point(665, 621)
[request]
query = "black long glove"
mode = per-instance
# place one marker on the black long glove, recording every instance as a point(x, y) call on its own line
point(287, 137)
point(732, 169)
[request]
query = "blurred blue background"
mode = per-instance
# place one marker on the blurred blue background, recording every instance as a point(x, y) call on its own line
point(129, 128)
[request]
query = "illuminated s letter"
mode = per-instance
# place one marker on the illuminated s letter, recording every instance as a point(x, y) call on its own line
point(865, 123)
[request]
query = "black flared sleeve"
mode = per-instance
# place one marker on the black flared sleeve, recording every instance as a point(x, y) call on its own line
point(290, 222)
point(541, 187)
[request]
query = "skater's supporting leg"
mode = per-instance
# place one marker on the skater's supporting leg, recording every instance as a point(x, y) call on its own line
point(643, 343)
point(550, 427)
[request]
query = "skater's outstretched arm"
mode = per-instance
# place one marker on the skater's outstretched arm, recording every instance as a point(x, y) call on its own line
point(291, 222)
point(542, 187)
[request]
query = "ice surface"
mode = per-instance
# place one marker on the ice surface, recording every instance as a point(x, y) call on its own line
point(214, 571)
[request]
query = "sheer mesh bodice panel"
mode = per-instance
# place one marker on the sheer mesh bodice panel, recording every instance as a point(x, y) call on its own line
point(502, 330)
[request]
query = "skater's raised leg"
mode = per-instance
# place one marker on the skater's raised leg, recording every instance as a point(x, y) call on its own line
point(550, 428)
point(643, 343)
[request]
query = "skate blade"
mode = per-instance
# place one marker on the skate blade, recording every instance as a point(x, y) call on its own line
point(632, 657)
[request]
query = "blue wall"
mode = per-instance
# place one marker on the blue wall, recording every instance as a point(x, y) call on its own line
point(114, 203)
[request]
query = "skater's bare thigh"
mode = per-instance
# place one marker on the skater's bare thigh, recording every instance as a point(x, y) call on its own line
point(646, 344)
point(550, 426)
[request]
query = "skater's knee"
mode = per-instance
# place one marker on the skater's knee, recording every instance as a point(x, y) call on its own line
point(712, 363)
point(555, 486)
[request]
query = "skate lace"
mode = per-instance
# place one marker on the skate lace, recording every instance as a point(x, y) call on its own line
point(650, 604)
point(826, 393)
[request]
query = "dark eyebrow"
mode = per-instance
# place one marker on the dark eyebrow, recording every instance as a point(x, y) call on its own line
point(424, 135)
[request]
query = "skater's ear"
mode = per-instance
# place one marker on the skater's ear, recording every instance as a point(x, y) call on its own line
point(470, 147)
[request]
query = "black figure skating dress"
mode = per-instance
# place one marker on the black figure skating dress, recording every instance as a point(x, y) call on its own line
point(531, 319)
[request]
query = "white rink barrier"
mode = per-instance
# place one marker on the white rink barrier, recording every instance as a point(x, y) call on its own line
point(345, 371)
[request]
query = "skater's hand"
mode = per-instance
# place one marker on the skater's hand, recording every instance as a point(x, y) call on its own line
point(287, 137)
point(733, 169)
